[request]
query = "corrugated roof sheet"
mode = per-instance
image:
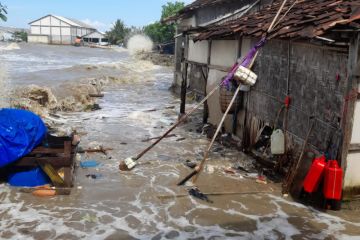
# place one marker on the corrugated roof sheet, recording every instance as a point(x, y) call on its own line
point(202, 3)
point(74, 22)
point(71, 21)
point(306, 19)
point(194, 6)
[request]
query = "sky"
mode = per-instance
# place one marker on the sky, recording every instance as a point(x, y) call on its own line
point(100, 14)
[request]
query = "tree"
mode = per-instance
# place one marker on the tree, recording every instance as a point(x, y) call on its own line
point(3, 12)
point(162, 33)
point(170, 9)
point(20, 35)
point(118, 32)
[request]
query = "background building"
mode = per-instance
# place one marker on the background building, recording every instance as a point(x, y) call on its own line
point(95, 38)
point(53, 29)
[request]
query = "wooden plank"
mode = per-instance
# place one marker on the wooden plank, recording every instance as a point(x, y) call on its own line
point(44, 150)
point(354, 147)
point(183, 89)
point(54, 161)
point(216, 67)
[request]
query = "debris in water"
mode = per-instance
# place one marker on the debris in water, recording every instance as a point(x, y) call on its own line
point(261, 179)
point(94, 176)
point(230, 171)
point(89, 164)
point(190, 164)
point(180, 139)
point(89, 218)
point(195, 192)
point(155, 138)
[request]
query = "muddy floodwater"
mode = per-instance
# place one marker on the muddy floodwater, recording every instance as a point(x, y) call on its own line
point(146, 203)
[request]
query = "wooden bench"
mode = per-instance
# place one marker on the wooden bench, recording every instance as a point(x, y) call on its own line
point(59, 157)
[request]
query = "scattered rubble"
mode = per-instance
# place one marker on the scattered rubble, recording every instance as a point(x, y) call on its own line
point(157, 58)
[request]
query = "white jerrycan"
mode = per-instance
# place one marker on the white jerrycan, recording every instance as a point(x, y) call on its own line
point(278, 142)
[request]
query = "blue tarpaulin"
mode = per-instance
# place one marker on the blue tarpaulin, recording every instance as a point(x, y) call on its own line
point(20, 132)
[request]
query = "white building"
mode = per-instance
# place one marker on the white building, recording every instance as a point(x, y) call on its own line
point(53, 29)
point(96, 37)
point(6, 34)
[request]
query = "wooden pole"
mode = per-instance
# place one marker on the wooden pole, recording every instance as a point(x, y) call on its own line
point(291, 175)
point(184, 88)
point(216, 194)
point(206, 155)
point(182, 119)
point(200, 167)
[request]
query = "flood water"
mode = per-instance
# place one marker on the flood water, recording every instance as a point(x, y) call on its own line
point(142, 204)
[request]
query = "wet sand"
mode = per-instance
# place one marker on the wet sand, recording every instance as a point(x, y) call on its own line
point(126, 205)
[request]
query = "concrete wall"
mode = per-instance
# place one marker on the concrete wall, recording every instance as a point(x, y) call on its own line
point(38, 39)
point(224, 52)
point(352, 176)
point(355, 139)
point(215, 113)
point(198, 51)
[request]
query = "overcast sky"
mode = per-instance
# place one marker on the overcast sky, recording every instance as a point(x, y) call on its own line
point(100, 13)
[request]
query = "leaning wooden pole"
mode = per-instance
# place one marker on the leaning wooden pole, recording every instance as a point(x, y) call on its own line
point(195, 174)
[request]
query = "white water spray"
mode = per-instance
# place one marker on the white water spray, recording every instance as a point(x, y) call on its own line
point(139, 43)
point(4, 88)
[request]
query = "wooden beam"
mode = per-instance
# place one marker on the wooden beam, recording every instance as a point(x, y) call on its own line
point(354, 147)
point(216, 67)
point(183, 88)
point(206, 105)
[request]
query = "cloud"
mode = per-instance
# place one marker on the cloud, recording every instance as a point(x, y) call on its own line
point(97, 24)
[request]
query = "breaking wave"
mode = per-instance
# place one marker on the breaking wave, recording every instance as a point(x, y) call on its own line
point(139, 43)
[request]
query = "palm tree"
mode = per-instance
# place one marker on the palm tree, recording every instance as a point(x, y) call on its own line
point(3, 12)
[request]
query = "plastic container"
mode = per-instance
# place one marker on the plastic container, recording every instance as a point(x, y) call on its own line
point(278, 142)
point(245, 76)
point(89, 164)
point(333, 177)
point(28, 178)
point(315, 174)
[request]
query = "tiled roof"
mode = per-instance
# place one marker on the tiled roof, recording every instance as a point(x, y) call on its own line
point(304, 19)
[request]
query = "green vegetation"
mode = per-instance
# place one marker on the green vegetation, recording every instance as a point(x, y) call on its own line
point(117, 34)
point(20, 35)
point(160, 32)
point(3, 12)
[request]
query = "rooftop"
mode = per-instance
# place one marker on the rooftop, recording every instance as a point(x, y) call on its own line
point(71, 21)
point(303, 19)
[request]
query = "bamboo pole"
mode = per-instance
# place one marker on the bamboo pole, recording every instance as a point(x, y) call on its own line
point(195, 174)
point(216, 194)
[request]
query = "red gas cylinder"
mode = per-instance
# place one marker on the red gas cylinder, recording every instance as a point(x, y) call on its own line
point(333, 180)
point(314, 175)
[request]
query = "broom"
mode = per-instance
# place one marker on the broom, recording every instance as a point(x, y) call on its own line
point(130, 163)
